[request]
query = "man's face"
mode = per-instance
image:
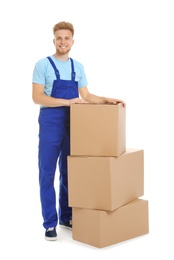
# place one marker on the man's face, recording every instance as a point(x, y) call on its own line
point(63, 41)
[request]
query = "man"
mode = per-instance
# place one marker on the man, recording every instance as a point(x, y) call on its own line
point(58, 82)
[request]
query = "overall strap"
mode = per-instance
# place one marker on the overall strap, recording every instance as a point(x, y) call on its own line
point(54, 67)
point(73, 74)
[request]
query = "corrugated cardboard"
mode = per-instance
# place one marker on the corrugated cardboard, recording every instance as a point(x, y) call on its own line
point(105, 182)
point(97, 130)
point(103, 228)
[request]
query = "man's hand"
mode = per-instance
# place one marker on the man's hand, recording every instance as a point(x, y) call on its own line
point(115, 101)
point(78, 101)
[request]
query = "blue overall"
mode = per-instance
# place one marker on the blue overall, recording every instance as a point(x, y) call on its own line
point(54, 147)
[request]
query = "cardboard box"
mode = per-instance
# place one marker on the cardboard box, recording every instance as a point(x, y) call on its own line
point(105, 182)
point(97, 130)
point(103, 228)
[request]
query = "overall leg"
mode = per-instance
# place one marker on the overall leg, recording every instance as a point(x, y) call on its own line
point(50, 139)
point(48, 154)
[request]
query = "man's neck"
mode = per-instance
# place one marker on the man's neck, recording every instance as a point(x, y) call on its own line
point(63, 57)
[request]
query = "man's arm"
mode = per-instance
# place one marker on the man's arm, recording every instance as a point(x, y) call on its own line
point(91, 98)
point(40, 98)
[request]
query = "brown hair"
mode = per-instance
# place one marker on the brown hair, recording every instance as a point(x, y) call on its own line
point(63, 26)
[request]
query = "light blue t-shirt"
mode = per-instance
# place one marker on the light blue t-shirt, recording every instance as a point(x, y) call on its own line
point(44, 73)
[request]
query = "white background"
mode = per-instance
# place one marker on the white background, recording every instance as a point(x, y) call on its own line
point(127, 50)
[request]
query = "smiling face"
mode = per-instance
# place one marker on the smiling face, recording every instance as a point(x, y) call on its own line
point(63, 41)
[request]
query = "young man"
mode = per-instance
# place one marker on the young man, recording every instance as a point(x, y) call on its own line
point(58, 82)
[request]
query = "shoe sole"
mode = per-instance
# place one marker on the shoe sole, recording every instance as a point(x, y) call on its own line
point(51, 238)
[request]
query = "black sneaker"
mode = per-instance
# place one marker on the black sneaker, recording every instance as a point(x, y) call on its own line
point(51, 234)
point(67, 224)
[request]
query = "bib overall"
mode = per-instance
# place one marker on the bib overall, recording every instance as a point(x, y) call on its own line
point(54, 147)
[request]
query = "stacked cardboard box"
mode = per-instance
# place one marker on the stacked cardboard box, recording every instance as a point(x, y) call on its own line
point(105, 179)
